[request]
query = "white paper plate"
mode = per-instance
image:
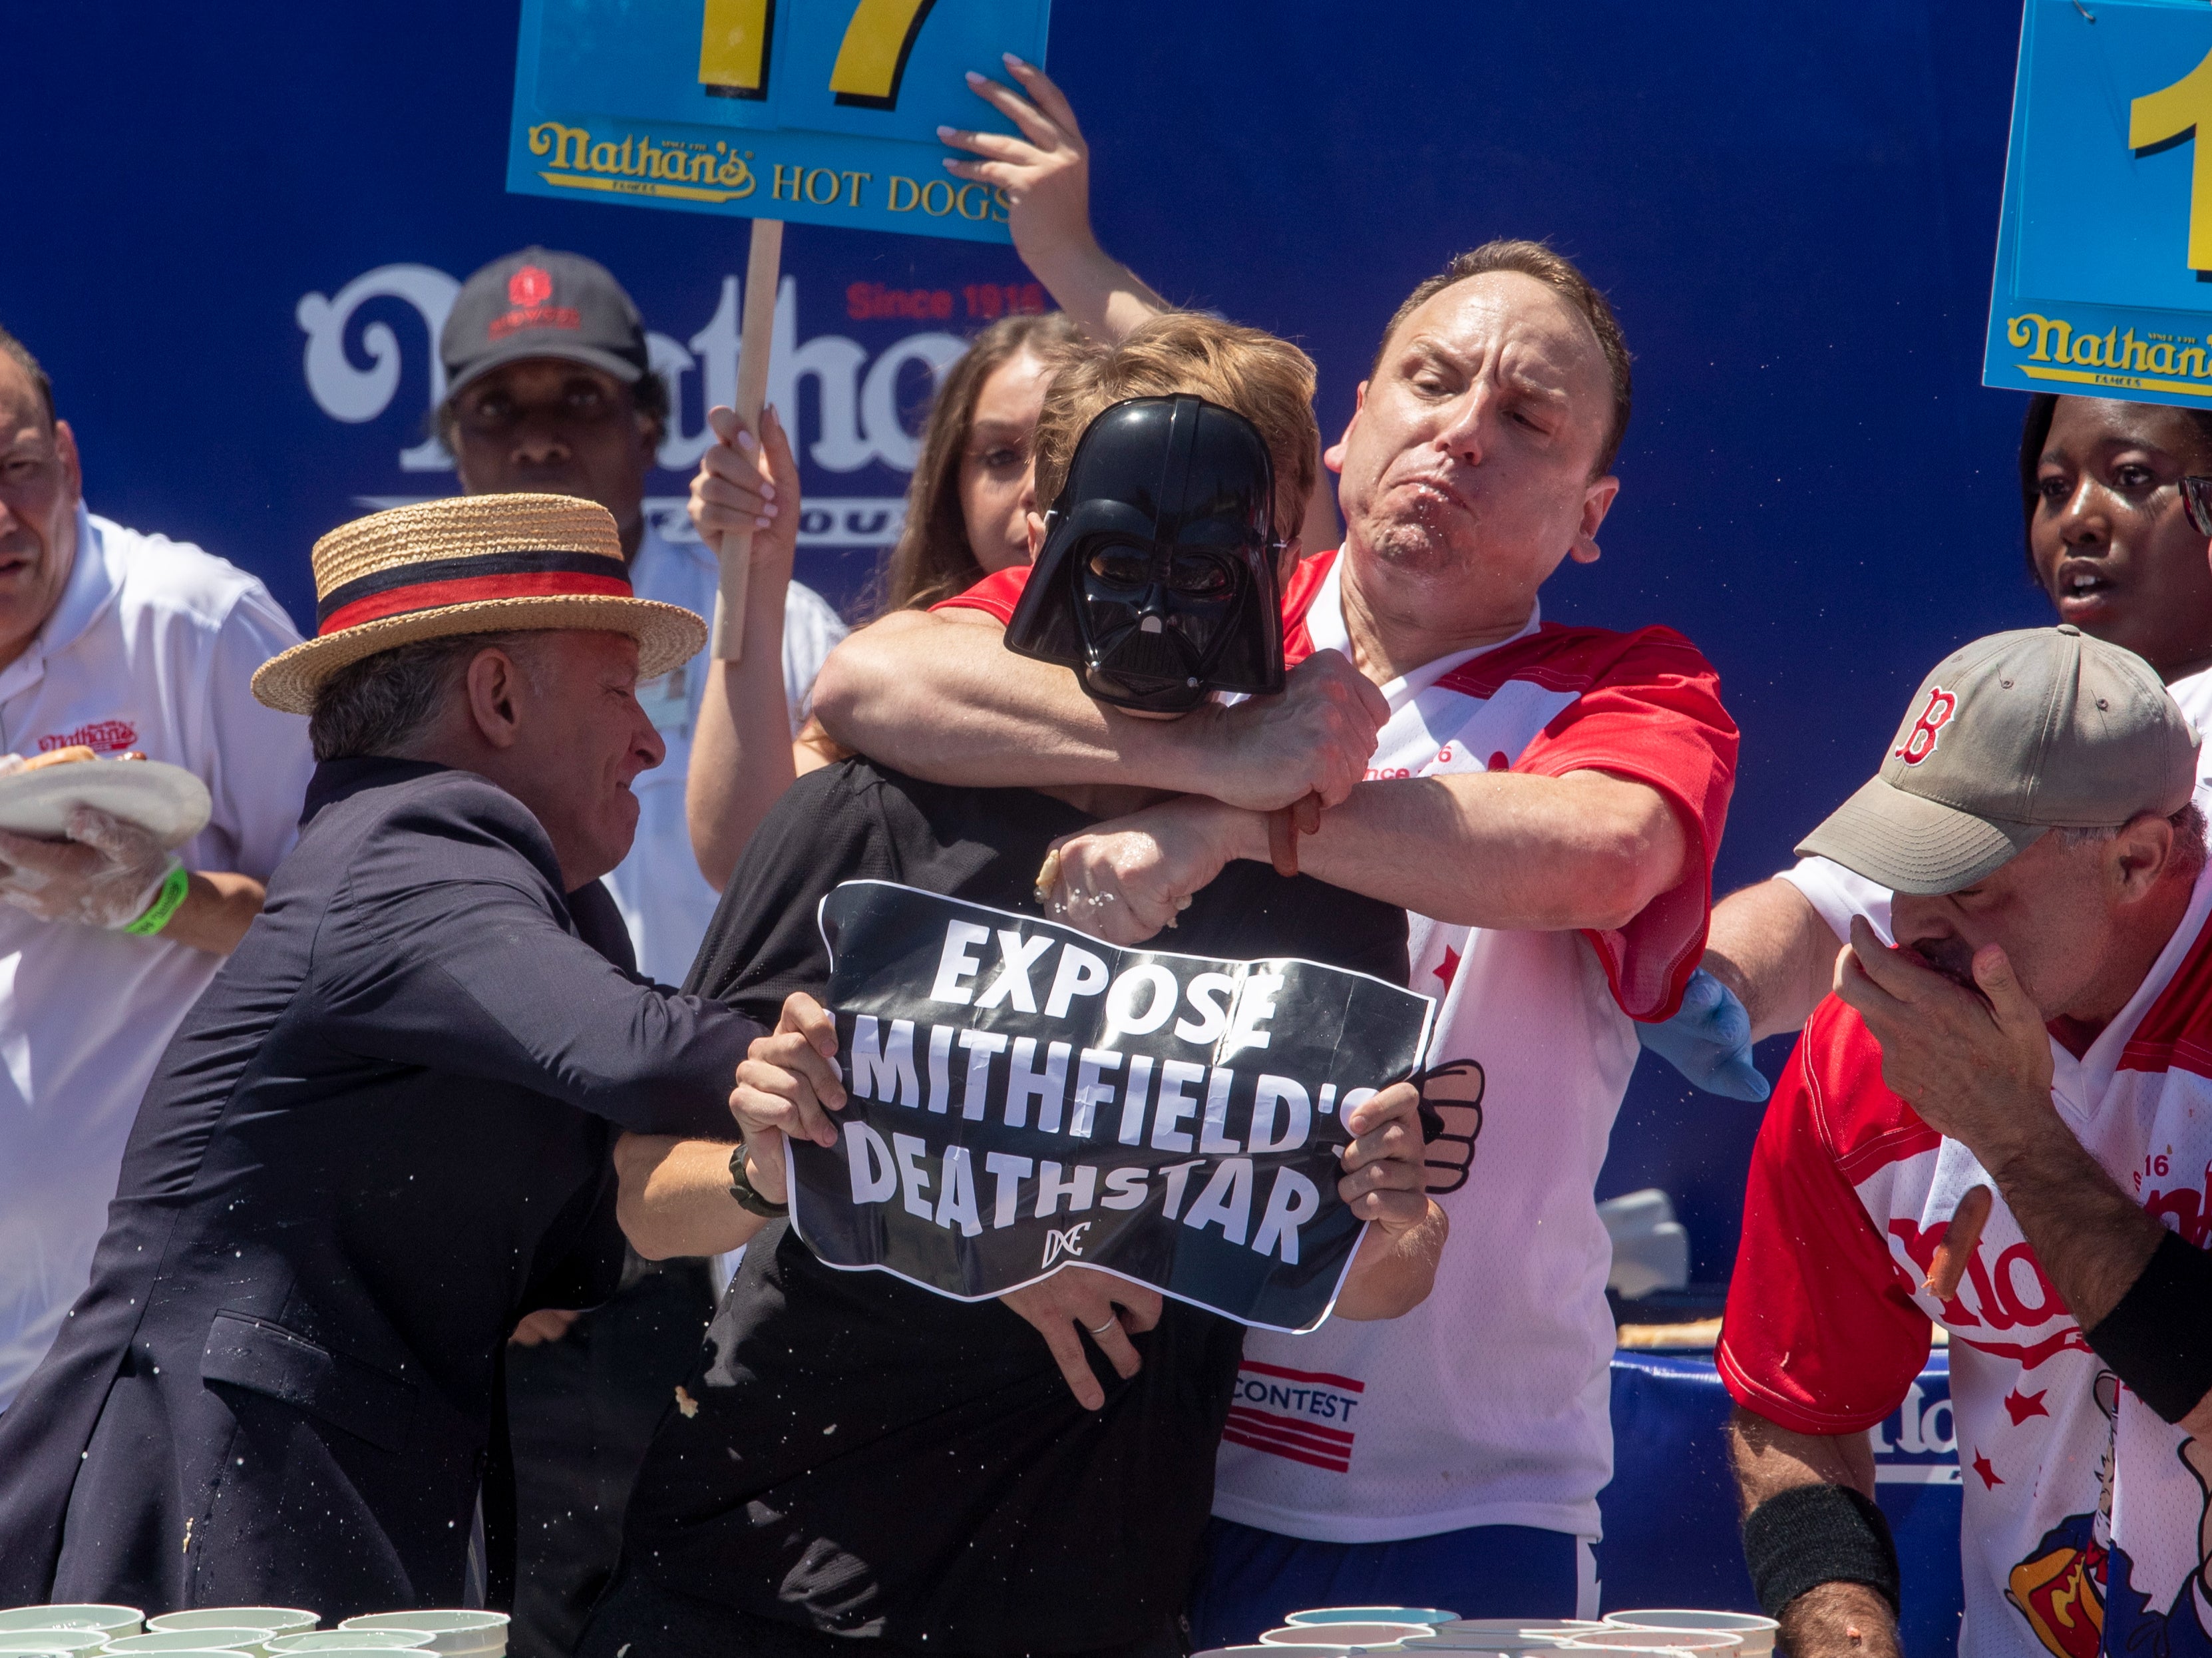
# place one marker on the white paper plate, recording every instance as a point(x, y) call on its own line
point(167, 801)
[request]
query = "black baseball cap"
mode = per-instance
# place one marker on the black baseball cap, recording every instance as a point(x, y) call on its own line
point(538, 304)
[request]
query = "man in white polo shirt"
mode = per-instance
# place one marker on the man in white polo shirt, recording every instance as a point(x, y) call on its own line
point(116, 641)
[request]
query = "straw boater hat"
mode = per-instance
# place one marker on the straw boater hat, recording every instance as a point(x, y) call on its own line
point(479, 564)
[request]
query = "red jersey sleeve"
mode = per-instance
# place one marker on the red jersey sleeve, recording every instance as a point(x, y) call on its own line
point(1651, 712)
point(997, 593)
point(1822, 1336)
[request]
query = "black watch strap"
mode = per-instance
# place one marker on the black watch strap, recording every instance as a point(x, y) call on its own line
point(742, 1189)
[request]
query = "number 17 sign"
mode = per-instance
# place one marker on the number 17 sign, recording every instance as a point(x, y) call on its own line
point(820, 111)
point(2104, 272)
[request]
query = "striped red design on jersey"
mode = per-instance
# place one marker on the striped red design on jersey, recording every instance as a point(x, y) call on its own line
point(1300, 1438)
point(2176, 1030)
point(1262, 1430)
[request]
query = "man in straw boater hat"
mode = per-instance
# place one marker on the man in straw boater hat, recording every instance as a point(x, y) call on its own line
point(385, 1133)
point(2002, 1125)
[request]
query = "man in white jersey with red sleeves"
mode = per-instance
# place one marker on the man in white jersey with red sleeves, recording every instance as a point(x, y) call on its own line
point(1545, 800)
point(2002, 1124)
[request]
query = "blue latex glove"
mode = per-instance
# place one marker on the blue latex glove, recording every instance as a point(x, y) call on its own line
point(1709, 1041)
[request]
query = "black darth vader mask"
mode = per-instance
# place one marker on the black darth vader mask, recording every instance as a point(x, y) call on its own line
point(1157, 583)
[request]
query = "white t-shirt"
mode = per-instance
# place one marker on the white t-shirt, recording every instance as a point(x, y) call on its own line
point(1489, 1404)
point(152, 647)
point(2088, 1520)
point(663, 897)
point(1838, 894)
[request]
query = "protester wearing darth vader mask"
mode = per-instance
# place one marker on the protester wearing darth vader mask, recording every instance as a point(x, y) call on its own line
point(1157, 583)
point(1031, 1473)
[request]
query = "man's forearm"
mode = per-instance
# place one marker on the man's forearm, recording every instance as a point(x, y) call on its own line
point(2090, 1236)
point(218, 907)
point(946, 701)
point(1393, 1271)
point(672, 1197)
point(1503, 850)
point(1769, 946)
point(1840, 1619)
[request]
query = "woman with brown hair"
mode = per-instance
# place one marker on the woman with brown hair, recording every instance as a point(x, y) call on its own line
point(964, 511)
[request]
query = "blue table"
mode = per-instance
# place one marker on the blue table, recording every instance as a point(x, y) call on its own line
point(1670, 1522)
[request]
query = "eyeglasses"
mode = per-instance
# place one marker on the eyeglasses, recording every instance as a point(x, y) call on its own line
point(2197, 498)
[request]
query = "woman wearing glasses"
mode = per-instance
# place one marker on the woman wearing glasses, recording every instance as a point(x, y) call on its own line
point(2118, 502)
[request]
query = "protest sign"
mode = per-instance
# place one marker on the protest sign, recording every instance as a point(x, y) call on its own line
point(825, 112)
point(1024, 1098)
point(2104, 270)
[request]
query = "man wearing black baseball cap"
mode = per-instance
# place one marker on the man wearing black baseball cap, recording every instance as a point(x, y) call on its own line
point(551, 389)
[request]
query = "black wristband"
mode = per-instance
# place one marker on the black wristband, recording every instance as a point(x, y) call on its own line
point(2158, 1340)
point(1809, 1535)
point(741, 1188)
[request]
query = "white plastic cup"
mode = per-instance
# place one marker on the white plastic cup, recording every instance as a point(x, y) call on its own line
point(476, 1634)
point(111, 1621)
point(52, 1640)
point(1755, 1631)
point(1338, 1636)
point(275, 1620)
point(233, 1638)
point(1614, 1638)
point(352, 1640)
point(1431, 1616)
point(1510, 1635)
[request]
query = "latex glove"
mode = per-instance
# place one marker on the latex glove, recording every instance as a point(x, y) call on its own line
point(105, 873)
point(1709, 1041)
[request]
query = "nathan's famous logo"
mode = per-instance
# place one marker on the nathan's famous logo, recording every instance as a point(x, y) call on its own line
point(1920, 742)
point(693, 170)
point(2168, 362)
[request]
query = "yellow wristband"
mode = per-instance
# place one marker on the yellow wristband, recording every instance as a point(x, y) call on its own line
point(166, 903)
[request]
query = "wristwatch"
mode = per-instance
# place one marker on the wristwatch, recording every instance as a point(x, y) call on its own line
point(742, 1190)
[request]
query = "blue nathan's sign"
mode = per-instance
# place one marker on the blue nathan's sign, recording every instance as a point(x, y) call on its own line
point(2104, 270)
point(1024, 1098)
point(824, 112)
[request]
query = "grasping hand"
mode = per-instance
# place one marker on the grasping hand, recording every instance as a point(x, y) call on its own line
point(1124, 881)
point(104, 875)
point(1316, 738)
point(1105, 1308)
point(787, 1085)
point(1384, 1181)
point(744, 484)
point(1976, 1068)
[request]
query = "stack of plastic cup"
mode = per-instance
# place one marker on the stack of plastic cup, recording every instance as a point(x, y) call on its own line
point(109, 1623)
point(1510, 1636)
point(68, 1642)
point(172, 1644)
point(1431, 1617)
point(351, 1640)
point(1757, 1633)
point(1347, 1636)
point(455, 1633)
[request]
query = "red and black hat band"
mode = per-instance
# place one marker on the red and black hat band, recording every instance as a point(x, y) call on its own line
point(436, 583)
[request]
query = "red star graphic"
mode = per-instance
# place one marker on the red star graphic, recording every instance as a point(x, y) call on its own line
point(1990, 1480)
point(1449, 967)
point(2020, 1406)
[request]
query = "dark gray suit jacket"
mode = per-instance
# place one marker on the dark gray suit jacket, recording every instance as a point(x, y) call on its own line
point(380, 1137)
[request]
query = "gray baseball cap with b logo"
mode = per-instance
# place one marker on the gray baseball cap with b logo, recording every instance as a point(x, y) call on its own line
point(2011, 737)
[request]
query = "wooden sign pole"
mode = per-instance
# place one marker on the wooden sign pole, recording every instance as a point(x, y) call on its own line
point(763, 270)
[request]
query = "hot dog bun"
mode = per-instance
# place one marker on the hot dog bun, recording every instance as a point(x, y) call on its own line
point(69, 756)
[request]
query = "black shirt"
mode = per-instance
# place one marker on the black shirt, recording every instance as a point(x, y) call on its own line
point(868, 1458)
